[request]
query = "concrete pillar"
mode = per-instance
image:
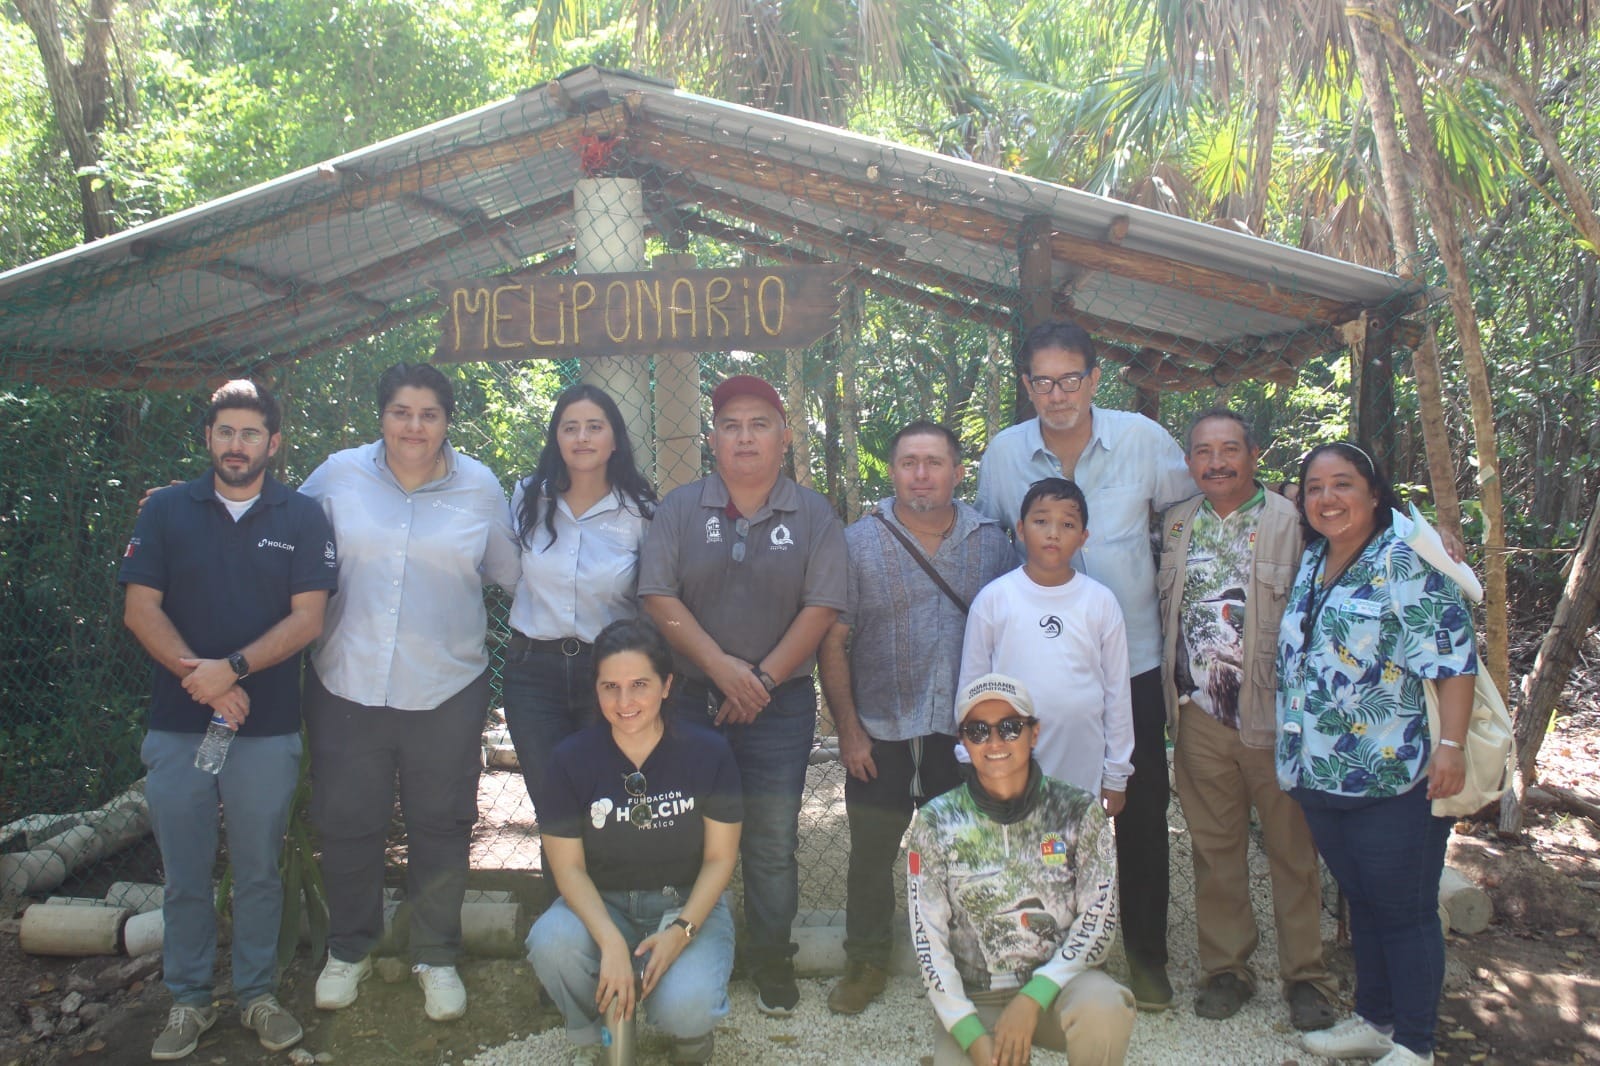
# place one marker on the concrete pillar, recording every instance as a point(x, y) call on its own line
point(609, 214)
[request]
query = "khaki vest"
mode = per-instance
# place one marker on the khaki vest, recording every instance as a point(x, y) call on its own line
point(1277, 557)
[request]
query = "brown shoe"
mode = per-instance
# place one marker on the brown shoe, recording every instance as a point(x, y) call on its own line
point(1309, 1009)
point(862, 983)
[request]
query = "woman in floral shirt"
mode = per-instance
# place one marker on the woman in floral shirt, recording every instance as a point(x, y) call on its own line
point(1367, 621)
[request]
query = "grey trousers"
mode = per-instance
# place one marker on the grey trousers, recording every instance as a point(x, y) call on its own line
point(357, 753)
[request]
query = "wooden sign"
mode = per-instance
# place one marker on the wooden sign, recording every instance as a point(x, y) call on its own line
point(639, 313)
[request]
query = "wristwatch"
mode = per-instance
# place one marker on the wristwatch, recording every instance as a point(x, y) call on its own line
point(688, 927)
point(241, 665)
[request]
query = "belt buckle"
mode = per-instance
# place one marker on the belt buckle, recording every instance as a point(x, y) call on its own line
point(571, 646)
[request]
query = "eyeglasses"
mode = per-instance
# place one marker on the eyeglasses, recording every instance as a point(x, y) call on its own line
point(1043, 386)
point(636, 786)
point(741, 526)
point(225, 435)
point(1009, 730)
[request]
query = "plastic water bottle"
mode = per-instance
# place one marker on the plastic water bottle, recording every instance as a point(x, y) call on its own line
point(214, 748)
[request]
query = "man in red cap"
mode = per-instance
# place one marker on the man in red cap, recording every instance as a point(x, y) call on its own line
point(744, 571)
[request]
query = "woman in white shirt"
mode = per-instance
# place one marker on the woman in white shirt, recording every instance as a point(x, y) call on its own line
point(400, 682)
point(579, 518)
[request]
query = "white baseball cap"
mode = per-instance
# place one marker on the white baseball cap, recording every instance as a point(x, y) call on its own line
point(994, 687)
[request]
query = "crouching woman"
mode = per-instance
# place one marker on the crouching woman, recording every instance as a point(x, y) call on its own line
point(640, 823)
point(1012, 882)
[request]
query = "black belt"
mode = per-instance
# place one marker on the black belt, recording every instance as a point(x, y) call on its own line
point(568, 646)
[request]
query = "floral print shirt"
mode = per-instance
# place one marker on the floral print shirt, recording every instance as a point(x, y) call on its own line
point(1351, 718)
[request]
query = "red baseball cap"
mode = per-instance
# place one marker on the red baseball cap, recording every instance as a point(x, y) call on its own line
point(744, 385)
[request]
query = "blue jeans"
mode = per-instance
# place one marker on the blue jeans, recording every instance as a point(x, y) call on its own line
point(773, 753)
point(1387, 855)
point(688, 1001)
point(255, 788)
point(548, 697)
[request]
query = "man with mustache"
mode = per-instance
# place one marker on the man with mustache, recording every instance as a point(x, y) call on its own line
point(1228, 560)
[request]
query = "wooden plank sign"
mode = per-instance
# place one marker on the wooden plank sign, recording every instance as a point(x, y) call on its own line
point(637, 313)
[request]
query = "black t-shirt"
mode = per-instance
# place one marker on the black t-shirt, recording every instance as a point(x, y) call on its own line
point(691, 775)
point(224, 583)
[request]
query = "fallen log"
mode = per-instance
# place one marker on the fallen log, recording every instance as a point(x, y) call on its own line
point(1563, 799)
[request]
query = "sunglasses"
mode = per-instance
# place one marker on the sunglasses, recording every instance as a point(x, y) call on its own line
point(637, 787)
point(741, 526)
point(1008, 728)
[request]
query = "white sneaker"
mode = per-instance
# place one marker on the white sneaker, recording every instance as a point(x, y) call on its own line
point(444, 996)
point(1404, 1056)
point(340, 982)
point(1353, 1038)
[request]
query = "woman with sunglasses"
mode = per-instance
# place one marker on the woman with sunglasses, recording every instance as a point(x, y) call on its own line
point(1367, 620)
point(1012, 886)
point(580, 517)
point(640, 827)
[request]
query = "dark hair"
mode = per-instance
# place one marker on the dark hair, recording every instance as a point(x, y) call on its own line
point(1227, 415)
point(634, 634)
point(1055, 488)
point(550, 477)
point(417, 376)
point(924, 427)
point(242, 394)
point(1056, 334)
point(1360, 458)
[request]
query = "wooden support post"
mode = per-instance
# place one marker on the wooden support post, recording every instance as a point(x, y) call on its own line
point(678, 429)
point(1149, 402)
point(1036, 271)
point(609, 237)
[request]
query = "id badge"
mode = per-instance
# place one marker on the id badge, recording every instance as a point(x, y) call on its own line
point(668, 918)
point(1295, 711)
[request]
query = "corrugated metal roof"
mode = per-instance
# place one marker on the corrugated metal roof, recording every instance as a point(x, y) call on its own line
point(350, 247)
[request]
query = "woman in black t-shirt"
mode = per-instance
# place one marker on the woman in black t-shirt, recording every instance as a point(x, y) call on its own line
point(640, 827)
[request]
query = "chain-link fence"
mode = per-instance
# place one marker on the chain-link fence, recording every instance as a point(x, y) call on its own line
point(102, 363)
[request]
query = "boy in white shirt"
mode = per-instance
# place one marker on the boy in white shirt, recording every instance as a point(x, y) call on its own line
point(1061, 634)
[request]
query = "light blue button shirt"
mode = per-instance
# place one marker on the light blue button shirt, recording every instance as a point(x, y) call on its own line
point(1130, 466)
point(584, 580)
point(406, 627)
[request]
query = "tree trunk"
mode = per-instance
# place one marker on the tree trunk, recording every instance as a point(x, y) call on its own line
point(1448, 236)
point(1371, 64)
point(1263, 133)
point(850, 401)
point(78, 95)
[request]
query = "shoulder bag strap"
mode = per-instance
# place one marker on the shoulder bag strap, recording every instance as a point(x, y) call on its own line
point(922, 561)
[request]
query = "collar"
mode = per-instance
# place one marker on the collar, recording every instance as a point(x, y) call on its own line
point(968, 518)
point(204, 487)
point(1007, 812)
point(380, 462)
point(611, 501)
point(785, 496)
point(1255, 502)
point(1101, 432)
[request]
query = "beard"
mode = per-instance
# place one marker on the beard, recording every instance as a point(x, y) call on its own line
point(919, 504)
point(234, 479)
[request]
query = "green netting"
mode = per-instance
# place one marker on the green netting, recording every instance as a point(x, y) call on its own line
point(328, 291)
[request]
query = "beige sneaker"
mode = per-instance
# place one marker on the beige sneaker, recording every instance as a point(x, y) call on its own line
point(340, 982)
point(274, 1026)
point(182, 1034)
point(444, 997)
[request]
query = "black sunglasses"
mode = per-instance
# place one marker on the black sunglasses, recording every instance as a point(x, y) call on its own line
point(637, 787)
point(1008, 728)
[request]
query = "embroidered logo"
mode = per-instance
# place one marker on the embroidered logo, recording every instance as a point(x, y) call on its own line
point(133, 546)
point(1053, 850)
point(328, 552)
point(714, 530)
point(1051, 626)
point(264, 542)
point(781, 538)
point(598, 810)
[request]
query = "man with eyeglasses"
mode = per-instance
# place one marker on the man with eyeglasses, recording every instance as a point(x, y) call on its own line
point(888, 670)
point(1228, 560)
point(227, 578)
point(744, 572)
point(1130, 469)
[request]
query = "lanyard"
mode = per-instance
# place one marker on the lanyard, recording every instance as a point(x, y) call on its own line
point(1309, 626)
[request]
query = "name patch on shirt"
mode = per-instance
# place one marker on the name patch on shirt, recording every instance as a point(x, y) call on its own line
point(1364, 608)
point(1441, 642)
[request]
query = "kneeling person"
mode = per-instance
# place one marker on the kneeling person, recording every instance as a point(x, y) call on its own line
point(1012, 889)
point(640, 821)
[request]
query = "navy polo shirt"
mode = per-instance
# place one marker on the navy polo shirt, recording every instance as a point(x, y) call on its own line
point(224, 583)
point(690, 776)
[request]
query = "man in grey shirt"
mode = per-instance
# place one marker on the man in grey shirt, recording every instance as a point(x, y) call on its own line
point(895, 715)
point(744, 571)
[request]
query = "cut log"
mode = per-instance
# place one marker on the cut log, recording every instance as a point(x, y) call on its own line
point(1563, 799)
point(1469, 907)
point(49, 929)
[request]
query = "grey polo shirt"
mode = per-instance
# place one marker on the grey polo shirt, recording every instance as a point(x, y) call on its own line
point(794, 558)
point(406, 628)
point(905, 641)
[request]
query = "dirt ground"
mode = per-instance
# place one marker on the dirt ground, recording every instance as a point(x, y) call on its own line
point(1530, 995)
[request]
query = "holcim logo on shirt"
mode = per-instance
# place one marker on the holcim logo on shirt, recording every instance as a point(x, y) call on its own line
point(280, 545)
